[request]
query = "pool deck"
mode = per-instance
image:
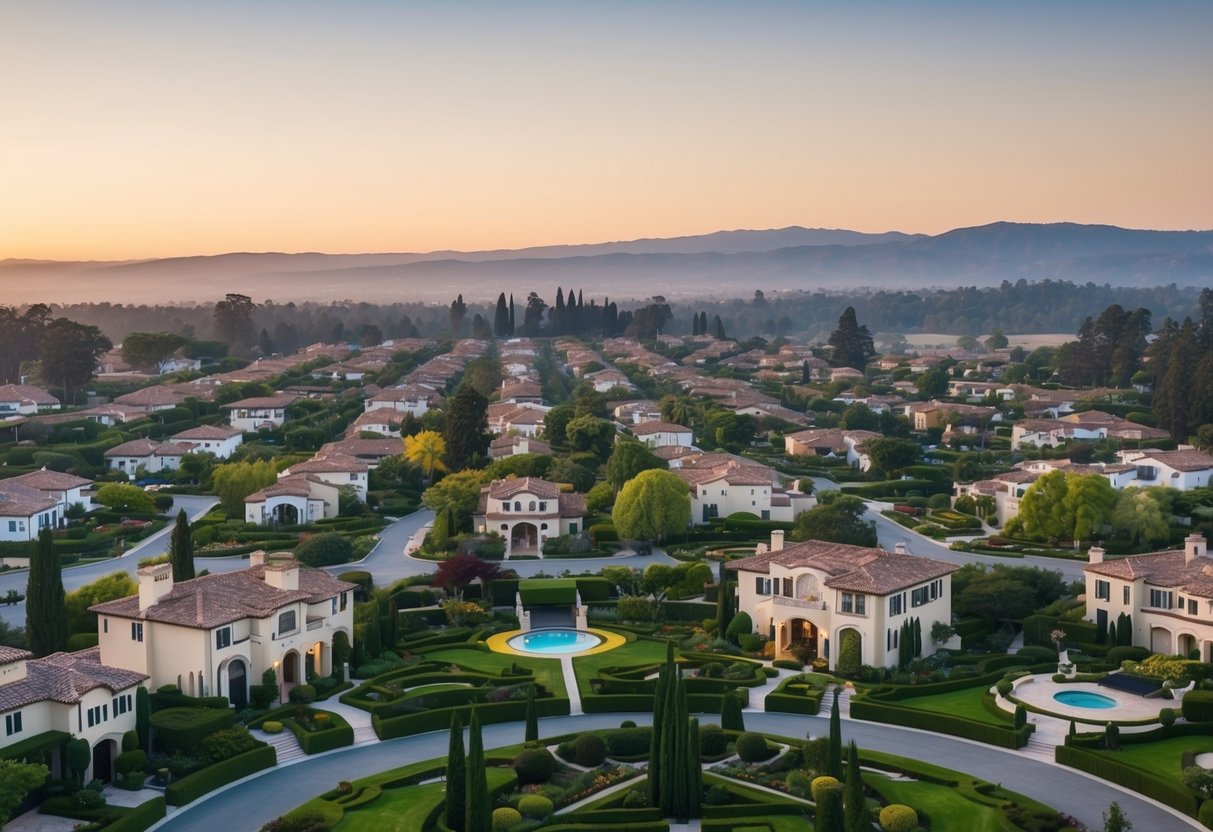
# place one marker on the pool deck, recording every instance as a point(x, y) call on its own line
point(500, 643)
point(1038, 691)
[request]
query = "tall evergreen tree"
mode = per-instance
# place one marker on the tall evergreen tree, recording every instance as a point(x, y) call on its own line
point(855, 807)
point(532, 719)
point(45, 616)
point(829, 814)
point(732, 717)
point(851, 343)
point(501, 318)
point(181, 549)
point(724, 602)
point(694, 771)
point(479, 806)
point(718, 328)
point(655, 768)
point(834, 757)
point(511, 313)
point(456, 777)
point(466, 432)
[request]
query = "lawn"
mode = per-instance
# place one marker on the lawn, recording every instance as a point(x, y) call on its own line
point(1163, 756)
point(634, 653)
point(964, 703)
point(547, 671)
point(405, 809)
point(946, 807)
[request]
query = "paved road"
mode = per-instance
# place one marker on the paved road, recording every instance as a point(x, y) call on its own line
point(154, 546)
point(263, 798)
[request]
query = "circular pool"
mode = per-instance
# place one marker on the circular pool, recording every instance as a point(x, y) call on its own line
point(554, 642)
point(1084, 699)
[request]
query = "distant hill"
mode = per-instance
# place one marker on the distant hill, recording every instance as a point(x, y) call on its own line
point(724, 264)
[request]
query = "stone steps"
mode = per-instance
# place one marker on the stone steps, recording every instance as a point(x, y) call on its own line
point(286, 746)
point(364, 733)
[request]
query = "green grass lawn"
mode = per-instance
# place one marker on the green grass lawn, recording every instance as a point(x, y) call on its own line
point(1162, 757)
point(964, 703)
point(637, 652)
point(404, 809)
point(547, 671)
point(947, 808)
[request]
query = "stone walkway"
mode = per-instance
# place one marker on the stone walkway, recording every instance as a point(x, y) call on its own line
point(33, 821)
point(570, 685)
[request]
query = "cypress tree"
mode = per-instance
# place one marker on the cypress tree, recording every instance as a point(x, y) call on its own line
point(656, 735)
point(532, 720)
point(694, 789)
point(181, 549)
point(731, 716)
point(834, 759)
point(1110, 635)
point(675, 759)
point(456, 777)
point(828, 816)
point(501, 318)
point(45, 616)
point(855, 807)
point(724, 602)
point(479, 809)
point(143, 716)
point(718, 328)
point(390, 635)
point(917, 637)
point(511, 313)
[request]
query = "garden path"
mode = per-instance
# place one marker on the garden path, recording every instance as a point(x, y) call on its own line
point(758, 695)
point(570, 685)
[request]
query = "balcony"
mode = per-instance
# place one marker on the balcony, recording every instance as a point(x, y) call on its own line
point(783, 601)
point(315, 622)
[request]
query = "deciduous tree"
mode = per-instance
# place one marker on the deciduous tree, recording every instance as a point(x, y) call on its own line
point(129, 498)
point(69, 355)
point(851, 343)
point(652, 505)
point(426, 450)
point(17, 779)
point(151, 350)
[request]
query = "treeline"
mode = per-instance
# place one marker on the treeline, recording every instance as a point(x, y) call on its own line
point(1020, 307)
point(1181, 366)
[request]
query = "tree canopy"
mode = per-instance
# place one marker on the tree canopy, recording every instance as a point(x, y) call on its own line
point(45, 614)
point(69, 354)
point(466, 433)
point(838, 521)
point(122, 497)
point(651, 505)
point(458, 492)
point(1067, 506)
point(627, 460)
point(851, 343)
point(150, 350)
point(891, 454)
point(17, 779)
point(426, 450)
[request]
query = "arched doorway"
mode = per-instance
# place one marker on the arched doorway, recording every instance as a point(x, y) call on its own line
point(286, 514)
point(524, 539)
point(103, 760)
point(237, 684)
point(1186, 646)
point(1160, 640)
point(290, 672)
point(801, 637)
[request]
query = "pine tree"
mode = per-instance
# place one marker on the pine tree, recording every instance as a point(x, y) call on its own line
point(181, 549)
point(456, 777)
point(855, 807)
point(851, 343)
point(479, 807)
point(45, 616)
point(834, 757)
point(532, 720)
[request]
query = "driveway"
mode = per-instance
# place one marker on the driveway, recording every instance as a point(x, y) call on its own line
point(262, 798)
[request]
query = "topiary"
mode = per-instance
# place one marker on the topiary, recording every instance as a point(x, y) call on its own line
point(752, 747)
point(821, 784)
point(534, 765)
point(1166, 717)
point(713, 741)
point(1198, 706)
point(505, 817)
point(589, 750)
point(271, 726)
point(627, 723)
point(639, 799)
point(130, 741)
point(741, 623)
point(303, 694)
point(534, 806)
point(1205, 815)
point(129, 761)
point(897, 817)
point(1004, 687)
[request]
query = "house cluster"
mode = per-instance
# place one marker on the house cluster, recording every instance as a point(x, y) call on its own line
point(39, 500)
point(211, 636)
point(147, 456)
point(811, 598)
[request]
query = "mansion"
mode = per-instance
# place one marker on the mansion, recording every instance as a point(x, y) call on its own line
point(528, 511)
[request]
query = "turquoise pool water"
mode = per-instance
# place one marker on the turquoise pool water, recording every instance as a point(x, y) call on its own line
point(554, 642)
point(1084, 699)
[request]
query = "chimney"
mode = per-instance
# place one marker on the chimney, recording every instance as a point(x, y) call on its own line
point(257, 558)
point(1095, 554)
point(776, 540)
point(154, 583)
point(283, 574)
point(1194, 547)
point(901, 548)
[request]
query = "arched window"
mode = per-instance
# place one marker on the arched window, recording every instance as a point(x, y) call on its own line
point(505, 527)
point(532, 506)
point(543, 526)
point(517, 505)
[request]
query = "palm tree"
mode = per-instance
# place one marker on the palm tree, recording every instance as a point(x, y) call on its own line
point(426, 449)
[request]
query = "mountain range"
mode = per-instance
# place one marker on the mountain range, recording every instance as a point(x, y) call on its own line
point(722, 264)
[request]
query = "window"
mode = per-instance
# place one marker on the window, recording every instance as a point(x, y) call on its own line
point(333, 611)
point(787, 588)
point(936, 589)
point(1191, 606)
point(12, 525)
point(122, 704)
point(505, 507)
point(136, 631)
point(848, 602)
point(762, 586)
point(1160, 598)
point(286, 622)
point(531, 505)
point(98, 714)
point(1126, 594)
point(12, 723)
point(543, 506)
point(861, 605)
point(344, 600)
point(572, 528)
point(1103, 590)
point(105, 625)
point(918, 597)
point(223, 638)
point(897, 604)
point(353, 477)
point(517, 505)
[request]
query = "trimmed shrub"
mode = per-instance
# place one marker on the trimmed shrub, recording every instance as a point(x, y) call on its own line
point(535, 806)
point(225, 744)
point(821, 784)
point(1121, 653)
point(193, 786)
point(629, 742)
point(1198, 706)
point(182, 729)
point(589, 750)
point(1004, 687)
point(272, 726)
point(130, 741)
point(713, 741)
point(752, 747)
point(327, 549)
point(897, 817)
point(1206, 814)
point(534, 765)
point(129, 761)
point(303, 694)
point(505, 817)
point(741, 623)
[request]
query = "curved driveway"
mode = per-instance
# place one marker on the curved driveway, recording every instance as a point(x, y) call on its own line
point(259, 799)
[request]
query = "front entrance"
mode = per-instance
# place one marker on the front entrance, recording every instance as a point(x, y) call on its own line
point(801, 638)
point(290, 673)
point(103, 760)
point(524, 539)
point(237, 684)
point(286, 514)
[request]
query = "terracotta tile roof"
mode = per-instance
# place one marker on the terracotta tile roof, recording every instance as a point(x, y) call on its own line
point(501, 489)
point(204, 432)
point(647, 428)
point(668, 452)
point(1168, 569)
point(572, 504)
point(45, 480)
point(155, 396)
point(851, 568)
point(174, 449)
point(136, 447)
point(214, 600)
point(24, 393)
point(375, 449)
point(13, 654)
point(17, 500)
point(65, 678)
point(1180, 460)
point(261, 403)
point(298, 485)
point(331, 463)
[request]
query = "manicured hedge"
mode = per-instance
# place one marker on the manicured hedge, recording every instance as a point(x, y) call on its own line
point(140, 818)
point(650, 826)
point(180, 729)
point(490, 712)
point(543, 591)
point(1198, 706)
point(876, 711)
point(35, 747)
point(1156, 786)
point(695, 611)
point(792, 703)
point(594, 703)
point(193, 786)
point(315, 742)
point(613, 816)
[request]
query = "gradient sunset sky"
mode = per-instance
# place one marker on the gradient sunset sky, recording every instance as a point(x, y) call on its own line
point(160, 128)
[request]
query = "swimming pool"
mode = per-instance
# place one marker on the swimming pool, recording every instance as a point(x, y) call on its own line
point(554, 642)
point(1084, 699)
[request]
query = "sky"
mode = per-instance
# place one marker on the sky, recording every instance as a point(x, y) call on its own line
point(165, 128)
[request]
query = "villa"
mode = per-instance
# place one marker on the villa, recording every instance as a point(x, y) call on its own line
point(528, 511)
point(37, 500)
point(216, 635)
point(811, 594)
point(844, 444)
point(1167, 595)
point(259, 412)
point(663, 434)
point(25, 400)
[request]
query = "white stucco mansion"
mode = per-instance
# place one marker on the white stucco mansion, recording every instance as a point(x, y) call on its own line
point(1167, 595)
point(528, 511)
point(811, 593)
